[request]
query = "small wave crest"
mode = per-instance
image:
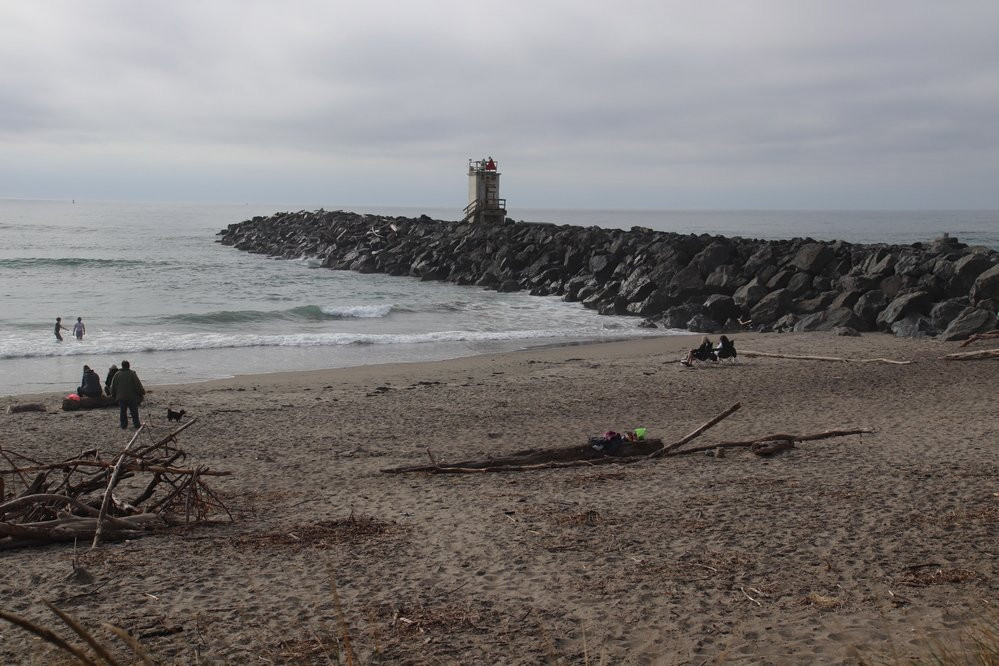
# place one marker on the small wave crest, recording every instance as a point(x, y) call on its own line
point(301, 313)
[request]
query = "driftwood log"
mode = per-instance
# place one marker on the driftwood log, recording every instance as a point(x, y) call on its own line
point(972, 355)
point(630, 452)
point(751, 354)
point(69, 405)
point(26, 407)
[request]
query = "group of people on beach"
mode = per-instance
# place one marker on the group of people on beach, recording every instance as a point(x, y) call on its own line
point(707, 351)
point(79, 330)
point(122, 385)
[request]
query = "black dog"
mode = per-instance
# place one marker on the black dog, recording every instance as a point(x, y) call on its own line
point(174, 416)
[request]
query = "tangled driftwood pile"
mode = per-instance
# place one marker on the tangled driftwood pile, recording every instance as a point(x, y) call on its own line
point(76, 498)
point(630, 452)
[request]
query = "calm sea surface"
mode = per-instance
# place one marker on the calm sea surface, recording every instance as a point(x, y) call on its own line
point(153, 286)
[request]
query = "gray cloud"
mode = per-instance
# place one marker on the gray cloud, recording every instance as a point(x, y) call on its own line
point(646, 104)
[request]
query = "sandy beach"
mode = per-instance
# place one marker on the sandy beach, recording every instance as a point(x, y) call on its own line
point(856, 545)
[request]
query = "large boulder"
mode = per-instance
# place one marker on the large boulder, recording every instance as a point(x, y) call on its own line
point(828, 320)
point(749, 294)
point(725, 279)
point(869, 305)
point(602, 266)
point(679, 315)
point(687, 282)
point(968, 268)
point(813, 257)
point(943, 313)
point(917, 302)
point(714, 255)
point(700, 323)
point(771, 307)
point(721, 307)
point(637, 286)
point(970, 321)
point(912, 325)
point(986, 286)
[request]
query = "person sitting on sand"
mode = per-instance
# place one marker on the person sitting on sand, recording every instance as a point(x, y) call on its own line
point(90, 385)
point(725, 348)
point(107, 381)
point(704, 352)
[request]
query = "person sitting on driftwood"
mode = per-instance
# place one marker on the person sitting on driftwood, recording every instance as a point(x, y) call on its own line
point(107, 380)
point(90, 385)
point(725, 348)
point(704, 352)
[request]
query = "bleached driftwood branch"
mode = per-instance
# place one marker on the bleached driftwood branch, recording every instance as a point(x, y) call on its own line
point(752, 354)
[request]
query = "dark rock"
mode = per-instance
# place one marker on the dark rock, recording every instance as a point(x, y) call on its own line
point(846, 299)
point(749, 294)
point(799, 284)
point(891, 285)
point(509, 286)
point(821, 302)
point(829, 320)
point(942, 314)
point(637, 286)
point(912, 325)
point(986, 286)
point(813, 257)
point(869, 305)
point(771, 307)
point(721, 307)
point(678, 316)
point(912, 303)
point(969, 267)
point(779, 280)
point(970, 321)
point(700, 323)
point(725, 279)
point(714, 255)
point(602, 266)
point(846, 331)
point(784, 324)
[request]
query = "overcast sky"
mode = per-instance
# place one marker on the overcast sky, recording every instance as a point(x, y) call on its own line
point(583, 103)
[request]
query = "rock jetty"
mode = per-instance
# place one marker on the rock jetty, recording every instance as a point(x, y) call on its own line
point(703, 283)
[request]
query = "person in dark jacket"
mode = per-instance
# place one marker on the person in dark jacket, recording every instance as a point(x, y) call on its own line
point(127, 389)
point(725, 348)
point(107, 380)
point(90, 385)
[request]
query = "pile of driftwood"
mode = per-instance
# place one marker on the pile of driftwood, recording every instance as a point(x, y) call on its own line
point(629, 452)
point(76, 498)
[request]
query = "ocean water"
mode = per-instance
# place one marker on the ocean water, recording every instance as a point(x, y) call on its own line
point(153, 286)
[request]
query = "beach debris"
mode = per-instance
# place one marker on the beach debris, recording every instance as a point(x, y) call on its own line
point(987, 335)
point(628, 452)
point(25, 407)
point(972, 355)
point(82, 497)
point(752, 354)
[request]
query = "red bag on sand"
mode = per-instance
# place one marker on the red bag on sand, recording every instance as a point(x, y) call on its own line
point(73, 396)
